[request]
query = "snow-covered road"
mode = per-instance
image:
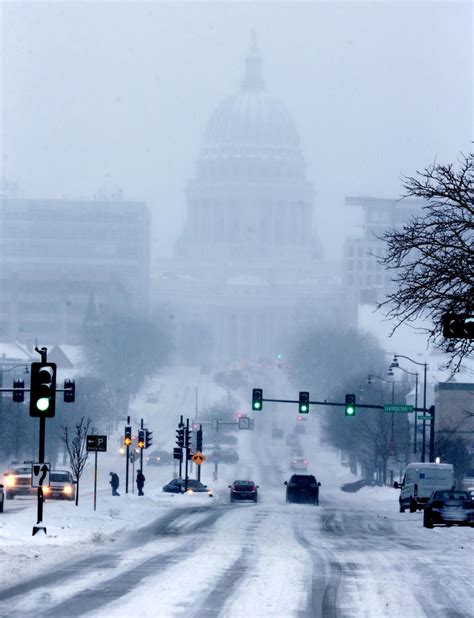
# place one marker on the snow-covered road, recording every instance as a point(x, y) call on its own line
point(163, 555)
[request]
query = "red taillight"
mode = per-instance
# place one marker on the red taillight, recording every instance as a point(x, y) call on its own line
point(254, 488)
point(305, 461)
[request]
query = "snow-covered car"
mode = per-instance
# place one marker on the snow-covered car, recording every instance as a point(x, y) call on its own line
point(298, 464)
point(17, 481)
point(61, 486)
point(243, 490)
point(303, 488)
point(159, 458)
point(177, 486)
point(449, 508)
point(2, 498)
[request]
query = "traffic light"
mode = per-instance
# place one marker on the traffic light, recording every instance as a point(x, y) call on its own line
point(304, 402)
point(458, 326)
point(128, 436)
point(141, 438)
point(180, 437)
point(148, 438)
point(350, 406)
point(69, 391)
point(178, 454)
point(257, 398)
point(43, 390)
point(18, 392)
point(199, 440)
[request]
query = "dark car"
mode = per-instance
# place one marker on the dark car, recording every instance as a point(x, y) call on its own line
point(303, 488)
point(243, 490)
point(176, 486)
point(449, 507)
point(159, 458)
point(2, 498)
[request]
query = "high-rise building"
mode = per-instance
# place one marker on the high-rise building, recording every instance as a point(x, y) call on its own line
point(248, 264)
point(62, 261)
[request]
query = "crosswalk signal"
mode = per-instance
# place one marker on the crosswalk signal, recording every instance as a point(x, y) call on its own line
point(148, 438)
point(350, 405)
point(43, 390)
point(69, 391)
point(141, 438)
point(18, 391)
point(128, 436)
point(257, 399)
point(304, 402)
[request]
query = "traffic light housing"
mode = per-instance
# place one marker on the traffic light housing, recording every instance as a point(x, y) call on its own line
point(148, 438)
point(257, 399)
point(199, 440)
point(18, 391)
point(303, 403)
point(458, 325)
point(43, 390)
point(141, 438)
point(128, 436)
point(69, 391)
point(187, 438)
point(178, 453)
point(350, 405)
point(180, 437)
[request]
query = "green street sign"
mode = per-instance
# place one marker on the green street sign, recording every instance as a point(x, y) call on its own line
point(424, 417)
point(398, 408)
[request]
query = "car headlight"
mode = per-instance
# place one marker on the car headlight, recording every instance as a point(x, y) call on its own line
point(190, 491)
point(46, 490)
point(122, 450)
point(67, 490)
point(10, 481)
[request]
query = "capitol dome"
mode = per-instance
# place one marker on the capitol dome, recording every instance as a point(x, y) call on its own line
point(251, 133)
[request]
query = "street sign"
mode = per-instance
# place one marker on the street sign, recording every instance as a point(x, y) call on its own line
point(96, 443)
point(424, 417)
point(397, 408)
point(198, 458)
point(244, 422)
point(40, 474)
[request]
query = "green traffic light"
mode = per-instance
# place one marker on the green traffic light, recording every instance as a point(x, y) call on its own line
point(43, 404)
point(303, 408)
point(350, 411)
point(256, 405)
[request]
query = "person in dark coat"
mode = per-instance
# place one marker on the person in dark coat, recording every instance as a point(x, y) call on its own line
point(140, 482)
point(114, 483)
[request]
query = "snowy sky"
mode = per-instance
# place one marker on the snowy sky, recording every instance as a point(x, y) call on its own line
point(118, 94)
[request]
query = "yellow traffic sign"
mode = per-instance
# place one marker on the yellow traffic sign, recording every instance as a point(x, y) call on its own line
point(198, 458)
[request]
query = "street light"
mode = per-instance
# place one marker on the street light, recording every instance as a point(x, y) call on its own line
point(395, 365)
point(415, 429)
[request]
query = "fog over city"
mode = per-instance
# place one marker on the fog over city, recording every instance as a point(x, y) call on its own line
point(106, 95)
point(236, 367)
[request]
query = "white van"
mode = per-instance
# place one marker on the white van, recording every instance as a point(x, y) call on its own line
point(420, 481)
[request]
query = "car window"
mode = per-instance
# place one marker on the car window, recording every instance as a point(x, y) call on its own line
point(59, 477)
point(248, 483)
point(303, 479)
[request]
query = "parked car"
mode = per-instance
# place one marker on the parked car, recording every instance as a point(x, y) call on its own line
point(2, 498)
point(176, 486)
point(302, 488)
point(449, 508)
point(243, 490)
point(298, 464)
point(420, 481)
point(159, 458)
point(277, 432)
point(61, 486)
point(17, 481)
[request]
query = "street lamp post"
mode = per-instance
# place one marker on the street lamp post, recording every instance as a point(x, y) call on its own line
point(395, 365)
point(415, 430)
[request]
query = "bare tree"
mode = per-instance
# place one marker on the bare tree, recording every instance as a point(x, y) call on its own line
point(432, 256)
point(75, 442)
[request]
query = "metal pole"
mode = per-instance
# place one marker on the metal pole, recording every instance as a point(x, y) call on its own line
point(415, 436)
point(432, 433)
point(181, 424)
point(95, 481)
point(393, 401)
point(42, 437)
point(133, 472)
point(141, 450)
point(196, 406)
point(186, 461)
point(127, 462)
point(423, 438)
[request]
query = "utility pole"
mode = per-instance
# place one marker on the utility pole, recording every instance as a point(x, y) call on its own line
point(127, 457)
point(141, 450)
point(186, 448)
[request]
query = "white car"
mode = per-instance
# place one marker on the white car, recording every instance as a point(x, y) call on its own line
point(61, 486)
point(299, 464)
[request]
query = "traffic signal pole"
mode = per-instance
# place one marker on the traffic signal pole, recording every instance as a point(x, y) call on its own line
point(127, 462)
point(187, 457)
point(43, 352)
point(141, 450)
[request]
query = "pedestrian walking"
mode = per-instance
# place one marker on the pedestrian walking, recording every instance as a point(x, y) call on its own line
point(140, 482)
point(114, 483)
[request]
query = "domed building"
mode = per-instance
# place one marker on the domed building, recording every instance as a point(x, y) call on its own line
point(247, 266)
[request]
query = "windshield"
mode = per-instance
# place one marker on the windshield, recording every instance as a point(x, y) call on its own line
point(59, 477)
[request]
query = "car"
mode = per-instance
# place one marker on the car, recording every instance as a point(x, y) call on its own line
point(159, 458)
point(419, 483)
point(449, 507)
point(2, 498)
point(277, 432)
point(17, 481)
point(298, 464)
point(61, 486)
point(176, 486)
point(303, 488)
point(243, 490)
